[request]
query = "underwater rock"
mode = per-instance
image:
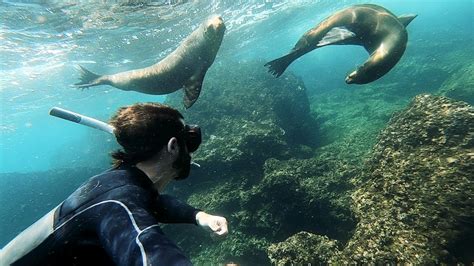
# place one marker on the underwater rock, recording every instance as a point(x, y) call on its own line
point(292, 196)
point(303, 248)
point(415, 197)
point(460, 85)
point(300, 195)
point(248, 117)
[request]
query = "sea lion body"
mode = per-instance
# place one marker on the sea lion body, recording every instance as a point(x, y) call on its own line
point(375, 28)
point(184, 68)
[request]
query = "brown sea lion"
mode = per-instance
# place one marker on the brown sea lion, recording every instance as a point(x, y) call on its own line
point(381, 33)
point(184, 68)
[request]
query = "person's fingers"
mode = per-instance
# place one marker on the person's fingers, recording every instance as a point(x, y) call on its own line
point(221, 232)
point(222, 227)
point(214, 225)
point(218, 225)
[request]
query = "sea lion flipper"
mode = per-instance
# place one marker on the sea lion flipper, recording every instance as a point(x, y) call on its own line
point(279, 65)
point(406, 19)
point(88, 78)
point(192, 89)
point(336, 35)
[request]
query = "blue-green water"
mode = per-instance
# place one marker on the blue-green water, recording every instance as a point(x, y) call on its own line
point(42, 44)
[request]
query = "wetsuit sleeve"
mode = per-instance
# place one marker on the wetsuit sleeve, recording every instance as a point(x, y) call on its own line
point(172, 210)
point(132, 237)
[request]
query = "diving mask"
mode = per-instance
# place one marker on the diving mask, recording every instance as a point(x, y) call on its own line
point(192, 137)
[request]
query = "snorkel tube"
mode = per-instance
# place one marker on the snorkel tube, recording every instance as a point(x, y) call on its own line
point(87, 121)
point(81, 119)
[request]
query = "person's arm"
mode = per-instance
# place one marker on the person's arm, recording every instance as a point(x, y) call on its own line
point(131, 236)
point(172, 210)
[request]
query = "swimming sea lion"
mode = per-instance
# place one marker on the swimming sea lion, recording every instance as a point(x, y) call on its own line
point(184, 68)
point(381, 33)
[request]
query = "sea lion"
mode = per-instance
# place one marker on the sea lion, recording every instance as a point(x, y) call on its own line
point(375, 28)
point(184, 68)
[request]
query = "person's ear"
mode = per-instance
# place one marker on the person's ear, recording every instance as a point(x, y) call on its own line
point(173, 146)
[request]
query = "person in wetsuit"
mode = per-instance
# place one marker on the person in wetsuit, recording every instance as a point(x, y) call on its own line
point(113, 218)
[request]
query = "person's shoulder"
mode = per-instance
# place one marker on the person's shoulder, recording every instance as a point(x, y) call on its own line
point(109, 179)
point(97, 188)
point(114, 173)
point(122, 176)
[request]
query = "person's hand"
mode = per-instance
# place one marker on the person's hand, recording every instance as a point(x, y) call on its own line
point(216, 224)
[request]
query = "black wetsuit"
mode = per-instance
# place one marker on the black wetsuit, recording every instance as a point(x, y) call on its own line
point(113, 219)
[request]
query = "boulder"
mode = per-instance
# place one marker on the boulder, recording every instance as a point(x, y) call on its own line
point(415, 200)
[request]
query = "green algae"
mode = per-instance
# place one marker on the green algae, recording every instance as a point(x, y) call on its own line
point(304, 248)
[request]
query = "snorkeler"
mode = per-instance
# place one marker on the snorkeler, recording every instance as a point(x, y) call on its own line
point(113, 218)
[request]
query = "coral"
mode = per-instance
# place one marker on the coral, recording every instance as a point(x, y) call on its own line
point(414, 198)
point(303, 248)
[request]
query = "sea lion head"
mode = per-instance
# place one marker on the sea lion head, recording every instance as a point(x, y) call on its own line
point(380, 61)
point(352, 77)
point(363, 75)
point(214, 26)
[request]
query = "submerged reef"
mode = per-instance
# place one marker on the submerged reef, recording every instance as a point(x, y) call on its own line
point(249, 117)
point(288, 199)
point(259, 169)
point(414, 199)
point(303, 248)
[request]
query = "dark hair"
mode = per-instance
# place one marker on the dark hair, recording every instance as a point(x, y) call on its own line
point(143, 129)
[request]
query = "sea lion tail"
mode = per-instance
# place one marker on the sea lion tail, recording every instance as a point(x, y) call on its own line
point(87, 78)
point(406, 19)
point(279, 65)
